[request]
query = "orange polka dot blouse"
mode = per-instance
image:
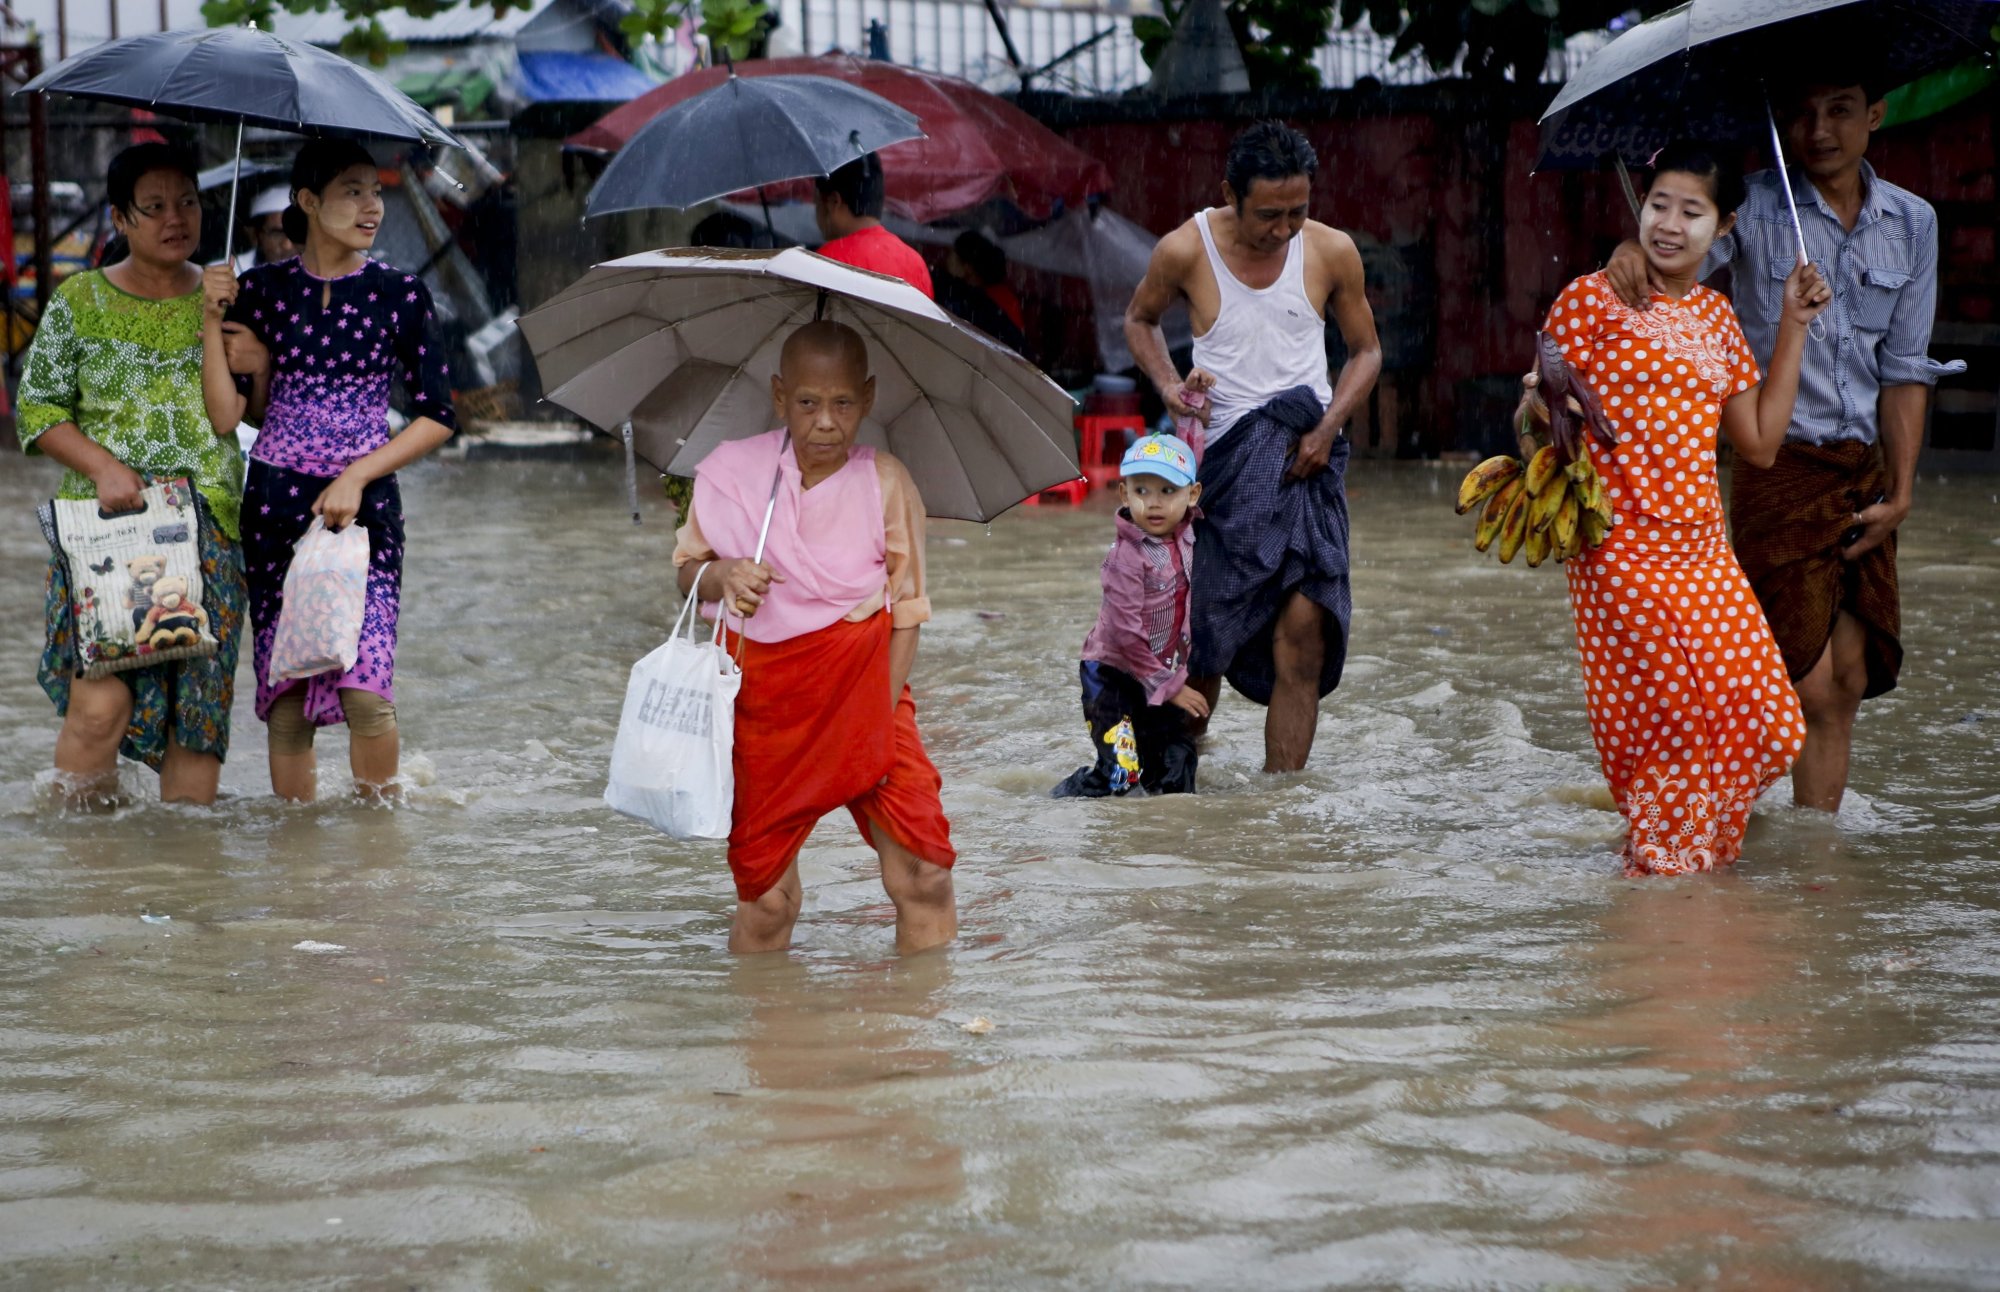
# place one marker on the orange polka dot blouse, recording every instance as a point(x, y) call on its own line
point(1691, 708)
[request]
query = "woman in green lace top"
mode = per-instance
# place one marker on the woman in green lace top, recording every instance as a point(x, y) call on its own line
point(112, 391)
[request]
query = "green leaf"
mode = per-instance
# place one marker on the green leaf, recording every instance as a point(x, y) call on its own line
point(1491, 8)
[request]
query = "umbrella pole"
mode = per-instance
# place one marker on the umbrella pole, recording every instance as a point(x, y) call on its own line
point(1817, 331)
point(229, 218)
point(1785, 178)
point(769, 228)
point(1625, 179)
point(631, 471)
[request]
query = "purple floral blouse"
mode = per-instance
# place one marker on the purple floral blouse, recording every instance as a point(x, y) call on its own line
point(332, 365)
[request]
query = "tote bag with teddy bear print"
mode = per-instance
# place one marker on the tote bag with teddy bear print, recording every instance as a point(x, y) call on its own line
point(134, 578)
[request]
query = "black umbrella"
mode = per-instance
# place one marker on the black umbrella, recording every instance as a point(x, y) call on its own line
point(745, 133)
point(1699, 70)
point(247, 76)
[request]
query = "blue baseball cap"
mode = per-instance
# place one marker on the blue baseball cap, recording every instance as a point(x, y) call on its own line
point(1165, 456)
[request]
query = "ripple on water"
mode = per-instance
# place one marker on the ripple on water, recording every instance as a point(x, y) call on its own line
point(1393, 1021)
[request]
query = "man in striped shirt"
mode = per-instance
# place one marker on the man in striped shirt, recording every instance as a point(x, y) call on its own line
point(1816, 531)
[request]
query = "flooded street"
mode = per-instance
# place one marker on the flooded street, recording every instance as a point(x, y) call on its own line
point(1393, 1022)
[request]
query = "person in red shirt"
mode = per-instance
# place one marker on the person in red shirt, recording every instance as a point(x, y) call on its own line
point(848, 210)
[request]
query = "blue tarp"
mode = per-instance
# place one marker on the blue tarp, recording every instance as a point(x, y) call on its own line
point(580, 78)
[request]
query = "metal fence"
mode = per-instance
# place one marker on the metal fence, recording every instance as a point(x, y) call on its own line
point(960, 39)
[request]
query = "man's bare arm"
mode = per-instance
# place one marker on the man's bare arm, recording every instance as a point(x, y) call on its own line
point(1901, 411)
point(1164, 283)
point(1349, 306)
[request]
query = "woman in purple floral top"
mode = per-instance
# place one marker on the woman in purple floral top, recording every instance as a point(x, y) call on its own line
point(341, 330)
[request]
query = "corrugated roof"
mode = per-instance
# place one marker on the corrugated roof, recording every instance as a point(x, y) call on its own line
point(468, 20)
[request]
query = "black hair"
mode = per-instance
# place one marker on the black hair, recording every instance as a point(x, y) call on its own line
point(859, 186)
point(133, 164)
point(1267, 150)
point(981, 256)
point(318, 164)
point(1691, 157)
point(1840, 57)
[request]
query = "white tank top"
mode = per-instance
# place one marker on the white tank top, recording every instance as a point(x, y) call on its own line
point(1262, 343)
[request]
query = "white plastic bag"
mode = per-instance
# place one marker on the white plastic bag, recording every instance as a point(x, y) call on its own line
point(670, 766)
point(326, 596)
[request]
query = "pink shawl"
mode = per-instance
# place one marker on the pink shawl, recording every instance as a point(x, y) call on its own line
point(828, 541)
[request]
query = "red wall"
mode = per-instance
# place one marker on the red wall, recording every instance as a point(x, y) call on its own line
point(1452, 182)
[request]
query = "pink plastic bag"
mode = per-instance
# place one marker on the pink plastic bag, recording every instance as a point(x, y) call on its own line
point(326, 594)
point(1190, 430)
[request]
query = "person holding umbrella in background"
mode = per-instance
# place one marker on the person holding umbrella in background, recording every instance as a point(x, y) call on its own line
point(113, 391)
point(341, 331)
point(848, 210)
point(1816, 531)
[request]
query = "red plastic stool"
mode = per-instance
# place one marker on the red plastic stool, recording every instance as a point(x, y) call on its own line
point(1071, 491)
point(1097, 452)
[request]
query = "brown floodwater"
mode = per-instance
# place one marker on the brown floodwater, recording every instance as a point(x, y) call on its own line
point(1396, 1021)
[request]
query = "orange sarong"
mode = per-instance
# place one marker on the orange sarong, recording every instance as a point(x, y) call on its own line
point(813, 734)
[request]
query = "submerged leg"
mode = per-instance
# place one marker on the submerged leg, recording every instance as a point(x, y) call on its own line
point(926, 902)
point(99, 711)
point(1298, 646)
point(374, 749)
point(1830, 693)
point(294, 768)
point(766, 924)
point(188, 777)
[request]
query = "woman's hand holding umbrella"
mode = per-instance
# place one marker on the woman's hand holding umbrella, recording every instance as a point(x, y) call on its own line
point(218, 291)
point(744, 584)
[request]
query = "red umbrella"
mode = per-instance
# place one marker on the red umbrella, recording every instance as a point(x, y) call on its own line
point(978, 146)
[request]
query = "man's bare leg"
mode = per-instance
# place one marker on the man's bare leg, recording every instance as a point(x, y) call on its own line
point(1830, 694)
point(926, 903)
point(766, 924)
point(1298, 646)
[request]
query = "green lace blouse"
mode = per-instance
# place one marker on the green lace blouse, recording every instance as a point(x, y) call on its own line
point(127, 371)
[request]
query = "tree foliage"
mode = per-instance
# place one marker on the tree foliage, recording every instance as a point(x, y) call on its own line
point(729, 24)
point(1496, 37)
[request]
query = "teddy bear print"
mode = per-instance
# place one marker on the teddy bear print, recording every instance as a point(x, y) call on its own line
point(175, 618)
point(146, 572)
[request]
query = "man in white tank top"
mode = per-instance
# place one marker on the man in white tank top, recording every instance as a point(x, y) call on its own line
point(1269, 609)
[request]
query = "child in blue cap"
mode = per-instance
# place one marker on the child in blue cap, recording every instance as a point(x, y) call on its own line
point(1136, 699)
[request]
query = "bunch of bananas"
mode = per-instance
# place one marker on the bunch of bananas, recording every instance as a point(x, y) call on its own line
point(1541, 508)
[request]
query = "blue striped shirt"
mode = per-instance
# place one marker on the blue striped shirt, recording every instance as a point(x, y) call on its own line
point(1884, 279)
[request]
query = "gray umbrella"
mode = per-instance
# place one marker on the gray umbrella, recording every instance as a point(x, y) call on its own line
point(744, 133)
point(247, 76)
point(675, 350)
point(1699, 70)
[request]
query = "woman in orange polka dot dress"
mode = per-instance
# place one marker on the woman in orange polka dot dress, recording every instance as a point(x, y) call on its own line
point(1690, 704)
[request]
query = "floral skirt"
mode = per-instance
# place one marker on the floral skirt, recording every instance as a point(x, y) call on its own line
point(188, 700)
point(1690, 705)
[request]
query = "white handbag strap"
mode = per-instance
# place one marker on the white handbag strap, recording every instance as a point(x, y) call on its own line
point(688, 604)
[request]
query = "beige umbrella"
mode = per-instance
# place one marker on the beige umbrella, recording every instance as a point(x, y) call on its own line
point(681, 344)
